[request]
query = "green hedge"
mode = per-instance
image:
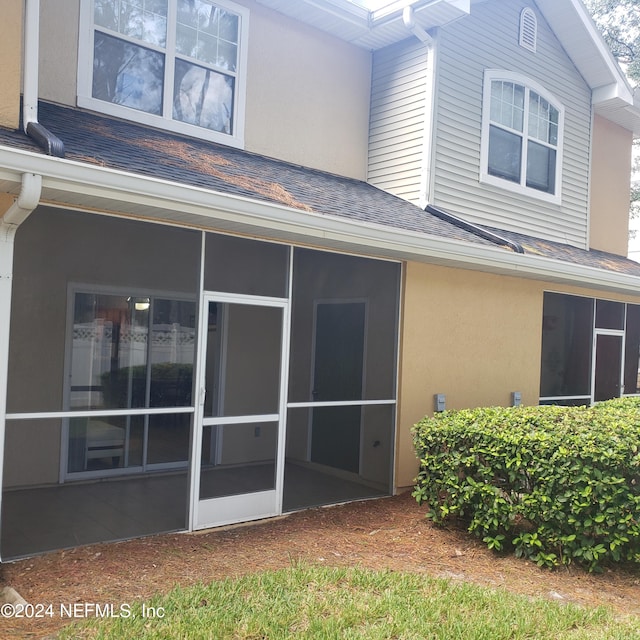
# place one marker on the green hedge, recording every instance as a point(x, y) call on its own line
point(556, 484)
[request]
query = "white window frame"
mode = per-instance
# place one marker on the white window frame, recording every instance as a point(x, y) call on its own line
point(490, 76)
point(165, 121)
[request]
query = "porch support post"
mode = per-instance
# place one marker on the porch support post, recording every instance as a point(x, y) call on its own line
point(17, 213)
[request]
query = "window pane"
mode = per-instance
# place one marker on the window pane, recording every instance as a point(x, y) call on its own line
point(632, 350)
point(100, 444)
point(567, 328)
point(127, 74)
point(106, 13)
point(145, 20)
point(207, 33)
point(109, 353)
point(541, 167)
point(203, 97)
point(543, 120)
point(507, 104)
point(173, 335)
point(505, 154)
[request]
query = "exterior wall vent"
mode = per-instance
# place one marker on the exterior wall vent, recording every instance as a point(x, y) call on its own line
point(528, 29)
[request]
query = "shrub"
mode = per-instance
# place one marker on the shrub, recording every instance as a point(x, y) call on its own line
point(556, 484)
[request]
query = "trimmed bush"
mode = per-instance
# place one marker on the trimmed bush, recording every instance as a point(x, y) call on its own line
point(556, 484)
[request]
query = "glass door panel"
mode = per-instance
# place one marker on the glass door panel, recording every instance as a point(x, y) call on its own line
point(242, 420)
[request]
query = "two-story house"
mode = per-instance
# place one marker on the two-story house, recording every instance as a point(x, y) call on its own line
point(247, 244)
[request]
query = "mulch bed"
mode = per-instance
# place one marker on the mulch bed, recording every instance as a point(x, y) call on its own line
point(389, 533)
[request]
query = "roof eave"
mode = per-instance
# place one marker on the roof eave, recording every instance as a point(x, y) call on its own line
point(612, 95)
point(71, 184)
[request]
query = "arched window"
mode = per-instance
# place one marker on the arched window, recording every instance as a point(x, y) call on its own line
point(522, 136)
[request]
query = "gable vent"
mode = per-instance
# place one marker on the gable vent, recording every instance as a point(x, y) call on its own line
point(528, 29)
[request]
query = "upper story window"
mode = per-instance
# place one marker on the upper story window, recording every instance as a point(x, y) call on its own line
point(521, 137)
point(178, 64)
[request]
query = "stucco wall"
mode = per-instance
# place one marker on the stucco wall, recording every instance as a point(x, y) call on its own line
point(610, 171)
point(307, 95)
point(472, 336)
point(307, 92)
point(475, 337)
point(10, 69)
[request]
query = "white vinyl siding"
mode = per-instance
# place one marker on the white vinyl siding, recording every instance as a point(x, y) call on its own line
point(488, 39)
point(400, 96)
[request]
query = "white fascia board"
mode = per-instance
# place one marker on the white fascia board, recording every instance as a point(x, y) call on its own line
point(270, 219)
point(577, 32)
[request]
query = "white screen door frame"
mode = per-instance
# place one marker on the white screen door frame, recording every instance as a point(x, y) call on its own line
point(250, 505)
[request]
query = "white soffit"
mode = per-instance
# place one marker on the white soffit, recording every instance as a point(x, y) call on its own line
point(369, 29)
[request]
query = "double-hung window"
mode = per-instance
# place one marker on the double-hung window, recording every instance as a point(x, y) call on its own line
point(178, 64)
point(522, 136)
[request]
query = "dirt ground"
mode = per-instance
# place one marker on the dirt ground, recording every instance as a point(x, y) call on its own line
point(389, 533)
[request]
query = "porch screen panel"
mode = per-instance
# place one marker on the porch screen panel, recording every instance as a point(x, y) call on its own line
point(344, 328)
point(342, 376)
point(56, 249)
point(567, 333)
point(251, 267)
point(632, 351)
point(103, 320)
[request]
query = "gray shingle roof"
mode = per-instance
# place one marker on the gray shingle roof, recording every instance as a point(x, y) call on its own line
point(126, 146)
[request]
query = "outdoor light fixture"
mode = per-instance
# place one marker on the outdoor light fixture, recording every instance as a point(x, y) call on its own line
point(139, 304)
point(142, 304)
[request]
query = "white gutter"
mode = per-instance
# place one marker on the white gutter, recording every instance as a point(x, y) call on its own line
point(71, 184)
point(17, 213)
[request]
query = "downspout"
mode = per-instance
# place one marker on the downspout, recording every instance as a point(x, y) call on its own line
point(409, 19)
point(481, 232)
point(17, 213)
point(41, 135)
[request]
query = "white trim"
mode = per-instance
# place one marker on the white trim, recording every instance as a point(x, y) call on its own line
point(491, 75)
point(200, 395)
point(339, 403)
point(243, 507)
point(248, 419)
point(85, 99)
point(97, 413)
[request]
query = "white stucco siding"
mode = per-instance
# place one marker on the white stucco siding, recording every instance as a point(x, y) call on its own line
point(488, 39)
point(397, 125)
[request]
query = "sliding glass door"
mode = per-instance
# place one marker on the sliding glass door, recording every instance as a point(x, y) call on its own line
point(128, 354)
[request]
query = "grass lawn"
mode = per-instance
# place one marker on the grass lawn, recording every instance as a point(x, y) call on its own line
point(320, 602)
